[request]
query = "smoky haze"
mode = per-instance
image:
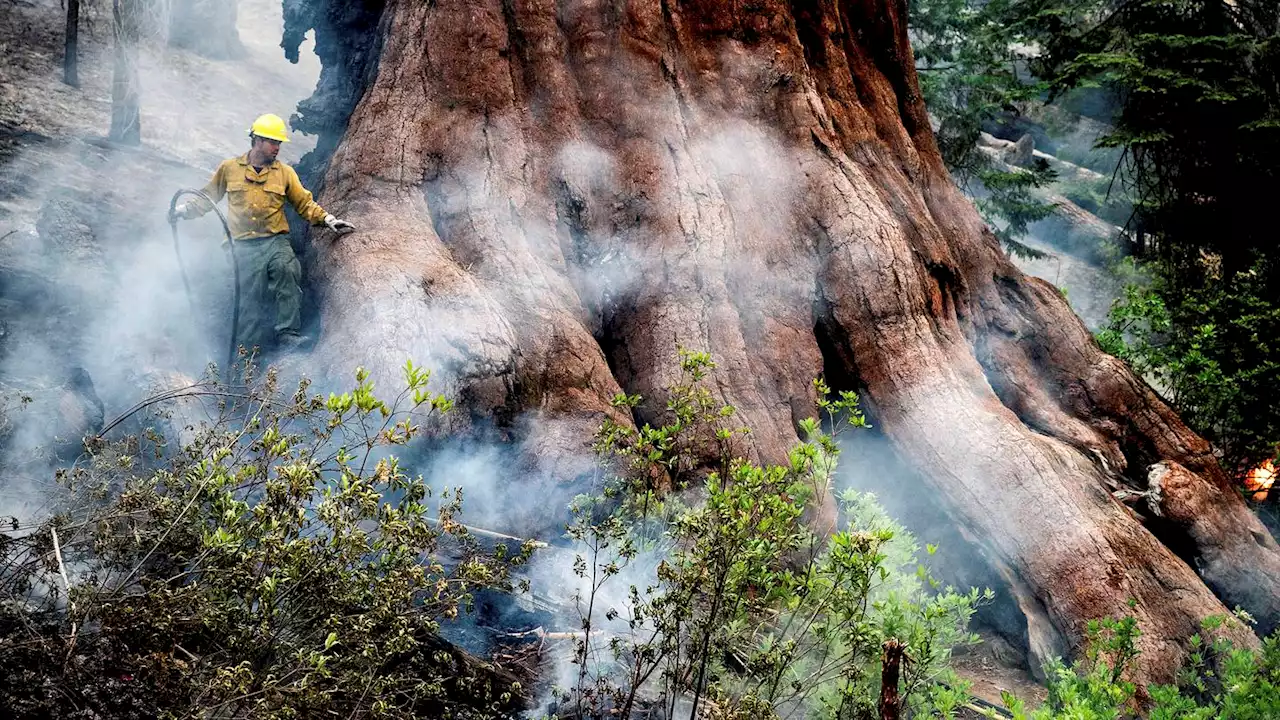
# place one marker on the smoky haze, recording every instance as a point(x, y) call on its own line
point(93, 311)
point(92, 288)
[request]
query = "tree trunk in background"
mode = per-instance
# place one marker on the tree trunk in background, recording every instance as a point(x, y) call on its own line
point(70, 58)
point(206, 27)
point(553, 196)
point(126, 106)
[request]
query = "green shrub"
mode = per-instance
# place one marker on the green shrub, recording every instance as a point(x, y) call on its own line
point(1213, 354)
point(281, 564)
point(747, 611)
point(1219, 681)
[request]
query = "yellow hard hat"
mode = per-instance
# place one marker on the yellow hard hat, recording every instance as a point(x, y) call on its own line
point(269, 126)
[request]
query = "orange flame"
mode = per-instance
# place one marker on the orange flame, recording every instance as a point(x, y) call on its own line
point(1260, 479)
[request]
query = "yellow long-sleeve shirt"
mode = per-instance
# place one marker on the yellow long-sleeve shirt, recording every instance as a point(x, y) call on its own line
point(255, 200)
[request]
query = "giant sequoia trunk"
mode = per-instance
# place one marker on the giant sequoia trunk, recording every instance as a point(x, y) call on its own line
point(552, 196)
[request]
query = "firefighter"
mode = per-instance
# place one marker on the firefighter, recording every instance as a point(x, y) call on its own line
point(257, 185)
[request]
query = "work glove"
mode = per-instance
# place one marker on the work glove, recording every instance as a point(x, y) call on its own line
point(342, 227)
point(184, 211)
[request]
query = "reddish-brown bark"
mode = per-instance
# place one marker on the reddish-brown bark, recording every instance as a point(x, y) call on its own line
point(553, 196)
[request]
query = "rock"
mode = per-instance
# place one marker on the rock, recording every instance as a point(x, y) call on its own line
point(47, 421)
point(64, 226)
point(23, 268)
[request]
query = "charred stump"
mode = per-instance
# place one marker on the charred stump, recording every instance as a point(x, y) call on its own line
point(890, 673)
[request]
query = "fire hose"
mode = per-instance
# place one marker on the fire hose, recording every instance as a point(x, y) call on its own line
point(235, 266)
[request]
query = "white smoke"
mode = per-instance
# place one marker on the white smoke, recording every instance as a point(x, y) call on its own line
point(84, 221)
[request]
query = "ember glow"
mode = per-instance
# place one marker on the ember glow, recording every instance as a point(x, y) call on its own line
point(1260, 479)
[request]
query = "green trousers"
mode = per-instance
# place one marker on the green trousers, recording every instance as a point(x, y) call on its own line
point(270, 294)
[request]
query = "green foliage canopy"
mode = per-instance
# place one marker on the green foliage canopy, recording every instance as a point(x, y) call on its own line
point(1199, 88)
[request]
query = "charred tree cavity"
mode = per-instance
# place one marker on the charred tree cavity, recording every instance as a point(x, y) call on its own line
point(839, 367)
point(348, 44)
